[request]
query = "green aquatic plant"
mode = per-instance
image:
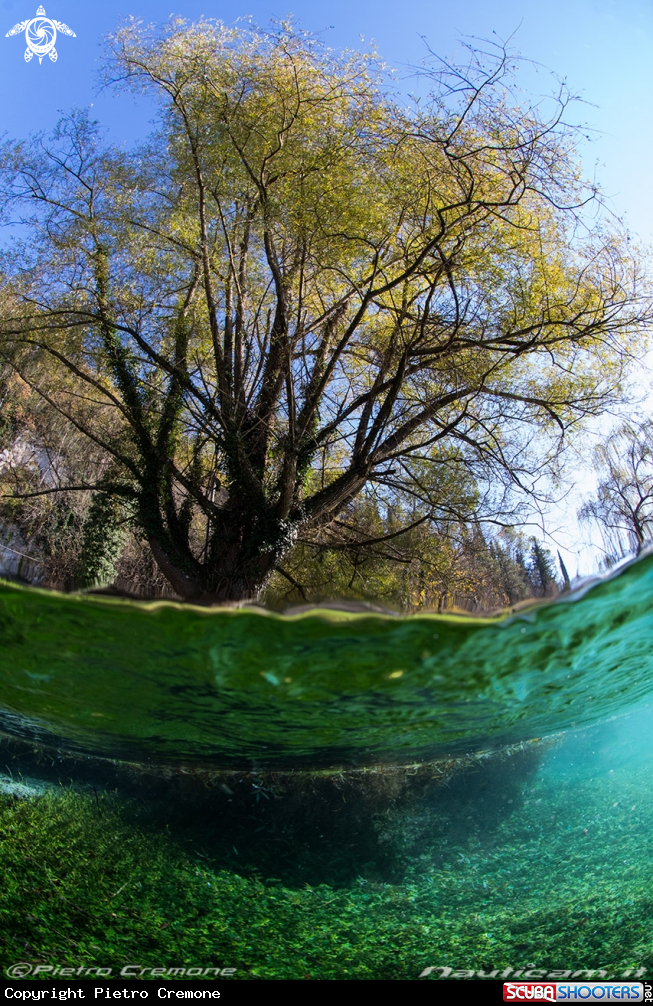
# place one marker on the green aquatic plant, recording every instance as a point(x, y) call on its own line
point(563, 882)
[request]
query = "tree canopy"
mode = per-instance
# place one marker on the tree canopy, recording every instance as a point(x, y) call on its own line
point(301, 288)
point(622, 505)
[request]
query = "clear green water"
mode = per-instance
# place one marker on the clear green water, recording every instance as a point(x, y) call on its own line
point(169, 682)
point(538, 858)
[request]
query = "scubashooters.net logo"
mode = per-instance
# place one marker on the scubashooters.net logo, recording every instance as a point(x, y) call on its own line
point(40, 35)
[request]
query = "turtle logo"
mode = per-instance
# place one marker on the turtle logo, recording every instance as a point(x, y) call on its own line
point(40, 35)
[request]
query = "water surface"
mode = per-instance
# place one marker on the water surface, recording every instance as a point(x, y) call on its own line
point(167, 682)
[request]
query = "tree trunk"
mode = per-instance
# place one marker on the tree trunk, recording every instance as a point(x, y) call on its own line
point(234, 577)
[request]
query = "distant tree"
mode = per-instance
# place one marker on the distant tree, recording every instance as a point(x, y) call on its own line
point(566, 583)
point(622, 506)
point(542, 571)
point(432, 566)
point(514, 576)
point(300, 287)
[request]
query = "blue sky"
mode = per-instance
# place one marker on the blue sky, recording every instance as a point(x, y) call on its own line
point(602, 48)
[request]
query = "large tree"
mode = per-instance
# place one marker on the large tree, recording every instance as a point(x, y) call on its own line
point(303, 285)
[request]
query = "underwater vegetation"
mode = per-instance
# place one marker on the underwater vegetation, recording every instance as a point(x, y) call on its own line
point(505, 864)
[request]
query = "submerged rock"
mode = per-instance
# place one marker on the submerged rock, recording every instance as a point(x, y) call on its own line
point(24, 789)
